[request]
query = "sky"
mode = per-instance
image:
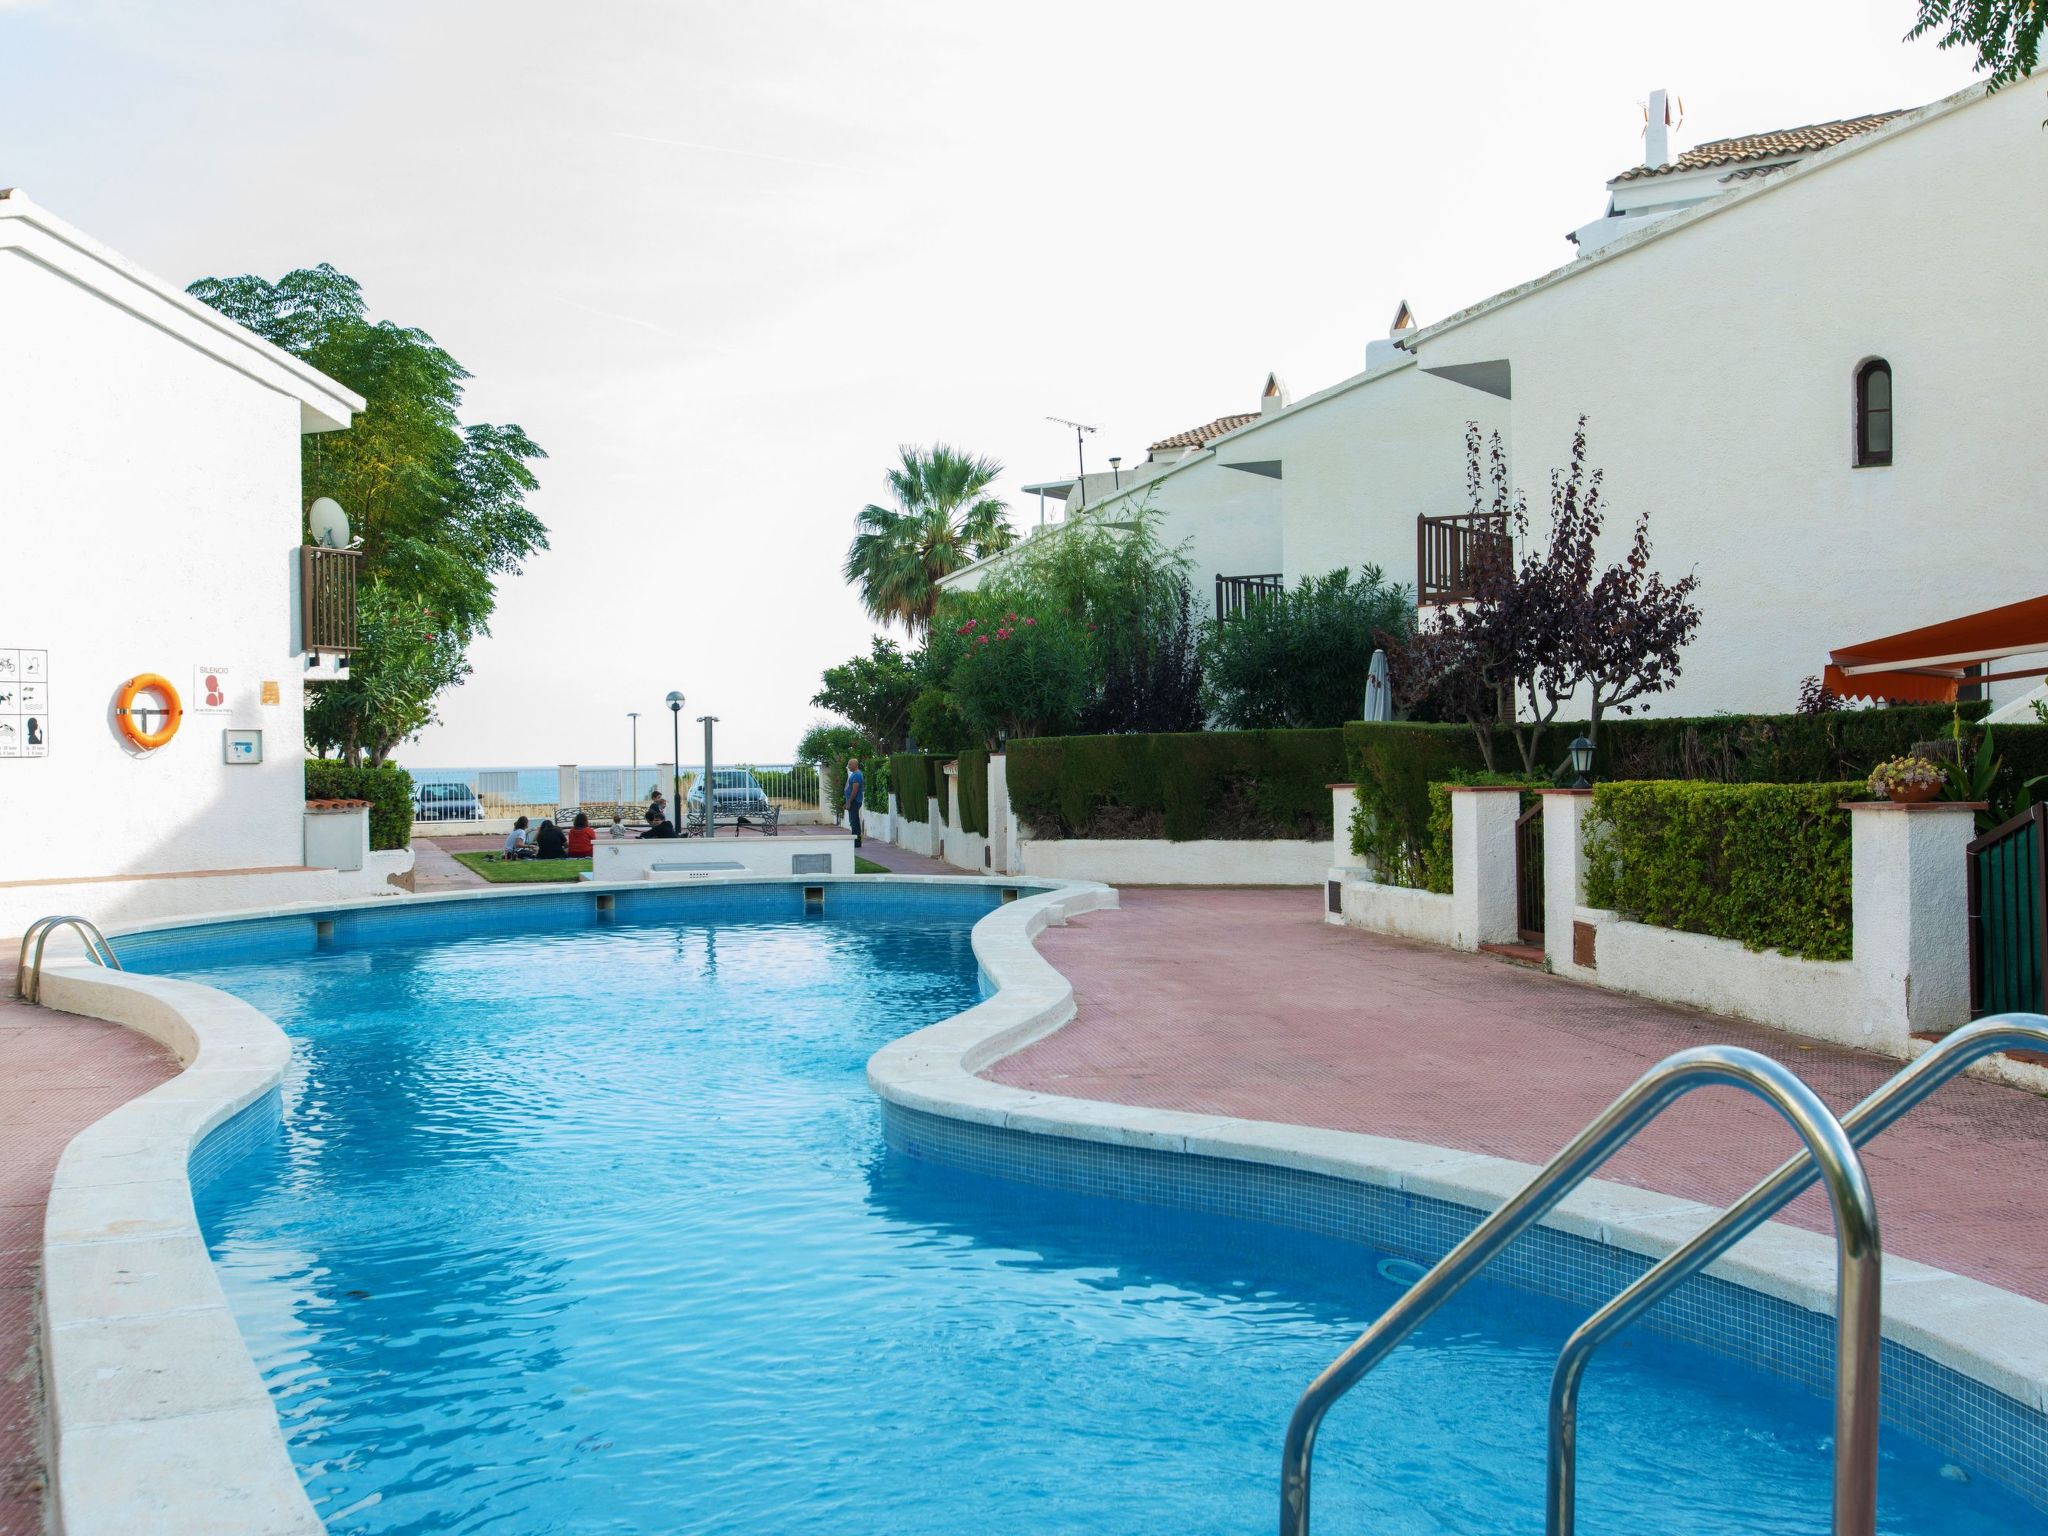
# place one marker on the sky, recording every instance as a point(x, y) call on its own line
point(720, 260)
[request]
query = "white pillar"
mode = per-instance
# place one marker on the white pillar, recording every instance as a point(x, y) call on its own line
point(566, 789)
point(1343, 802)
point(1910, 887)
point(1565, 812)
point(1483, 864)
point(1001, 842)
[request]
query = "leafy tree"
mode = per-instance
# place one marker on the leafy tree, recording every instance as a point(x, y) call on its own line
point(1156, 684)
point(1299, 658)
point(829, 744)
point(1120, 577)
point(1016, 672)
point(2005, 33)
point(942, 520)
point(875, 692)
point(440, 506)
point(936, 724)
point(408, 658)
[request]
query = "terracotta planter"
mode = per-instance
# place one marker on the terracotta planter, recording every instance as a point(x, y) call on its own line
point(1913, 794)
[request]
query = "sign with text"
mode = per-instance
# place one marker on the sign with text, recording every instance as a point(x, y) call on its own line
point(209, 695)
point(24, 702)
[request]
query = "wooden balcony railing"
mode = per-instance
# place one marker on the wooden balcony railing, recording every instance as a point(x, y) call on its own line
point(1448, 551)
point(1236, 593)
point(327, 598)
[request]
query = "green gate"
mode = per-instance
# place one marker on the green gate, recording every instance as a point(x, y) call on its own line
point(2009, 915)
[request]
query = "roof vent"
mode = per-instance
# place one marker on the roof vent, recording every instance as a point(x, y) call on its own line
point(1274, 398)
point(1379, 353)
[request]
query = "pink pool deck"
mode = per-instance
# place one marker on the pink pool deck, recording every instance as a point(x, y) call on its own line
point(1244, 1002)
point(58, 1074)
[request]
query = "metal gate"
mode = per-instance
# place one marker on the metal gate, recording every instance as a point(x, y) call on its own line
point(2009, 915)
point(1529, 873)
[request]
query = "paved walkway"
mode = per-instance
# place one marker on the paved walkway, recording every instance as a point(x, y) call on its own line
point(1243, 1002)
point(58, 1074)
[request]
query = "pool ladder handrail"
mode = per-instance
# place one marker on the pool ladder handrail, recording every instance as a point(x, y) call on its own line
point(1877, 1113)
point(1858, 1255)
point(28, 975)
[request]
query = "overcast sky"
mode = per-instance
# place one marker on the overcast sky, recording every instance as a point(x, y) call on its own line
point(719, 259)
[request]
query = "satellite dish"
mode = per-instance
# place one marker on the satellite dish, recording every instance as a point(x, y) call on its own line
point(328, 523)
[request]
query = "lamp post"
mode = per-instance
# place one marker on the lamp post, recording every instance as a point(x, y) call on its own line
point(1116, 471)
point(1582, 762)
point(675, 754)
point(710, 788)
point(633, 780)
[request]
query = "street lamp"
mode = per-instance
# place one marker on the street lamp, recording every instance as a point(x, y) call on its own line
point(1582, 761)
point(1115, 475)
point(675, 754)
point(633, 782)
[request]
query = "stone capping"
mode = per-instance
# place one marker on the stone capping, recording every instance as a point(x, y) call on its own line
point(1991, 1335)
point(1484, 789)
point(1912, 805)
point(1564, 791)
point(158, 1420)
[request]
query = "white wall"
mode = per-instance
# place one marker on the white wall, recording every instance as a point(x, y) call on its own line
point(1714, 356)
point(1155, 861)
point(150, 510)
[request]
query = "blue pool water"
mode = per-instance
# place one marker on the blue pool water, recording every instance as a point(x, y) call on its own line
point(590, 1228)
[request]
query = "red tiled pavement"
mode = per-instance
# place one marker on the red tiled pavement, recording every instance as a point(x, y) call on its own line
point(58, 1074)
point(1243, 1002)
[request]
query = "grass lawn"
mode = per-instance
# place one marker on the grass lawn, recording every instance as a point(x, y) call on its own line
point(523, 871)
point(863, 866)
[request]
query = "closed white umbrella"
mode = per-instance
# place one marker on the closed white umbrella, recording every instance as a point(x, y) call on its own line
point(1379, 691)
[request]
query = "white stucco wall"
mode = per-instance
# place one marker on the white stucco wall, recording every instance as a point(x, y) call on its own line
point(1155, 861)
point(1714, 356)
point(150, 520)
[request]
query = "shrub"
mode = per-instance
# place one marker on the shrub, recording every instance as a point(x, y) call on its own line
point(973, 777)
point(935, 723)
point(387, 787)
point(1015, 672)
point(918, 777)
point(1251, 785)
point(1765, 864)
point(1298, 659)
point(1393, 763)
point(1769, 749)
point(828, 744)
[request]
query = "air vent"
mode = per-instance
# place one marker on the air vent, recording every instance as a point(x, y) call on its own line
point(810, 864)
point(1334, 902)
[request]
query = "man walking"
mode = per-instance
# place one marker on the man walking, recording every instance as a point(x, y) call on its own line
point(856, 789)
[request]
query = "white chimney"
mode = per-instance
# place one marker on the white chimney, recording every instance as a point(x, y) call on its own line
point(1657, 121)
point(1380, 353)
point(1273, 399)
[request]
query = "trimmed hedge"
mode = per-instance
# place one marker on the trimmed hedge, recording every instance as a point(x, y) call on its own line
point(387, 787)
point(1436, 850)
point(974, 792)
point(1249, 785)
point(1393, 763)
point(1765, 864)
point(918, 777)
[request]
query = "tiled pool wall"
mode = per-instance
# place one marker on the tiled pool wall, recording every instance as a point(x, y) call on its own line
point(1978, 1427)
point(425, 919)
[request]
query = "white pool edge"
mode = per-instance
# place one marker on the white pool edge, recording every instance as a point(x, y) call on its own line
point(1991, 1335)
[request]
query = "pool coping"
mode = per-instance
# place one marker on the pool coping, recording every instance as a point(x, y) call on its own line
point(1981, 1331)
point(156, 1417)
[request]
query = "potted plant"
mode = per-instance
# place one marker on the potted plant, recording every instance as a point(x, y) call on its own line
point(1907, 780)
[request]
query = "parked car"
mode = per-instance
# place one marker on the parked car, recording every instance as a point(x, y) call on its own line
point(445, 802)
point(740, 797)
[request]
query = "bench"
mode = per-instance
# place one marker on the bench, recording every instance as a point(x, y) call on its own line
point(768, 822)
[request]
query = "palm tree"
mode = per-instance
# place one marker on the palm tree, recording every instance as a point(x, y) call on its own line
point(941, 522)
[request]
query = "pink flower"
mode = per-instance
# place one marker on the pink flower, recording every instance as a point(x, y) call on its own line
point(981, 639)
point(1030, 621)
point(1011, 617)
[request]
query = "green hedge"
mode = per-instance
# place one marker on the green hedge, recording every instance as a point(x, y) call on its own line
point(1766, 864)
point(1250, 785)
point(974, 792)
point(387, 787)
point(1393, 763)
point(1436, 849)
point(918, 777)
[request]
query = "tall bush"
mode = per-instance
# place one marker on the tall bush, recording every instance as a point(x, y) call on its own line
point(1252, 785)
point(973, 786)
point(1016, 673)
point(386, 786)
point(1298, 659)
point(1765, 864)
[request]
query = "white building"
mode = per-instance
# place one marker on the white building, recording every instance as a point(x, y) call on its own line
point(150, 522)
point(1814, 355)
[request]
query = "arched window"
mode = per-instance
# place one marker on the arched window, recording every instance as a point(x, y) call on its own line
point(1874, 413)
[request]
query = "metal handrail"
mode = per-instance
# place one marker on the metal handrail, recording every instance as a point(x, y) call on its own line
point(28, 975)
point(1858, 1257)
point(1882, 1109)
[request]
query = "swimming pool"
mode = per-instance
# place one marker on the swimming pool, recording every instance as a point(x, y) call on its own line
point(583, 1223)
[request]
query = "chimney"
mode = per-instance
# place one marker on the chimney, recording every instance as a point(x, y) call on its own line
point(1380, 353)
point(1273, 399)
point(1657, 121)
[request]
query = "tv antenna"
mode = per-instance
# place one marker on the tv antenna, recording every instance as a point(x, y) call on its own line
point(1081, 429)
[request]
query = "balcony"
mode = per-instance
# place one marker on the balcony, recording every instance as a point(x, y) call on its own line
point(327, 599)
point(1449, 551)
point(1234, 594)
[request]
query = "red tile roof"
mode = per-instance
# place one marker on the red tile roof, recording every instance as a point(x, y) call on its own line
point(1762, 146)
point(1200, 435)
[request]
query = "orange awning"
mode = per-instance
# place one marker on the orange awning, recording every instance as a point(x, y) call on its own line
point(1928, 664)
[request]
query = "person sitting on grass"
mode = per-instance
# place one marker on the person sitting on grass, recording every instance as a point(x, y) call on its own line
point(661, 826)
point(582, 837)
point(549, 843)
point(516, 845)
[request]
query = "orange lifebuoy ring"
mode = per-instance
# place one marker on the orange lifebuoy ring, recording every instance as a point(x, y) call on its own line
point(129, 718)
